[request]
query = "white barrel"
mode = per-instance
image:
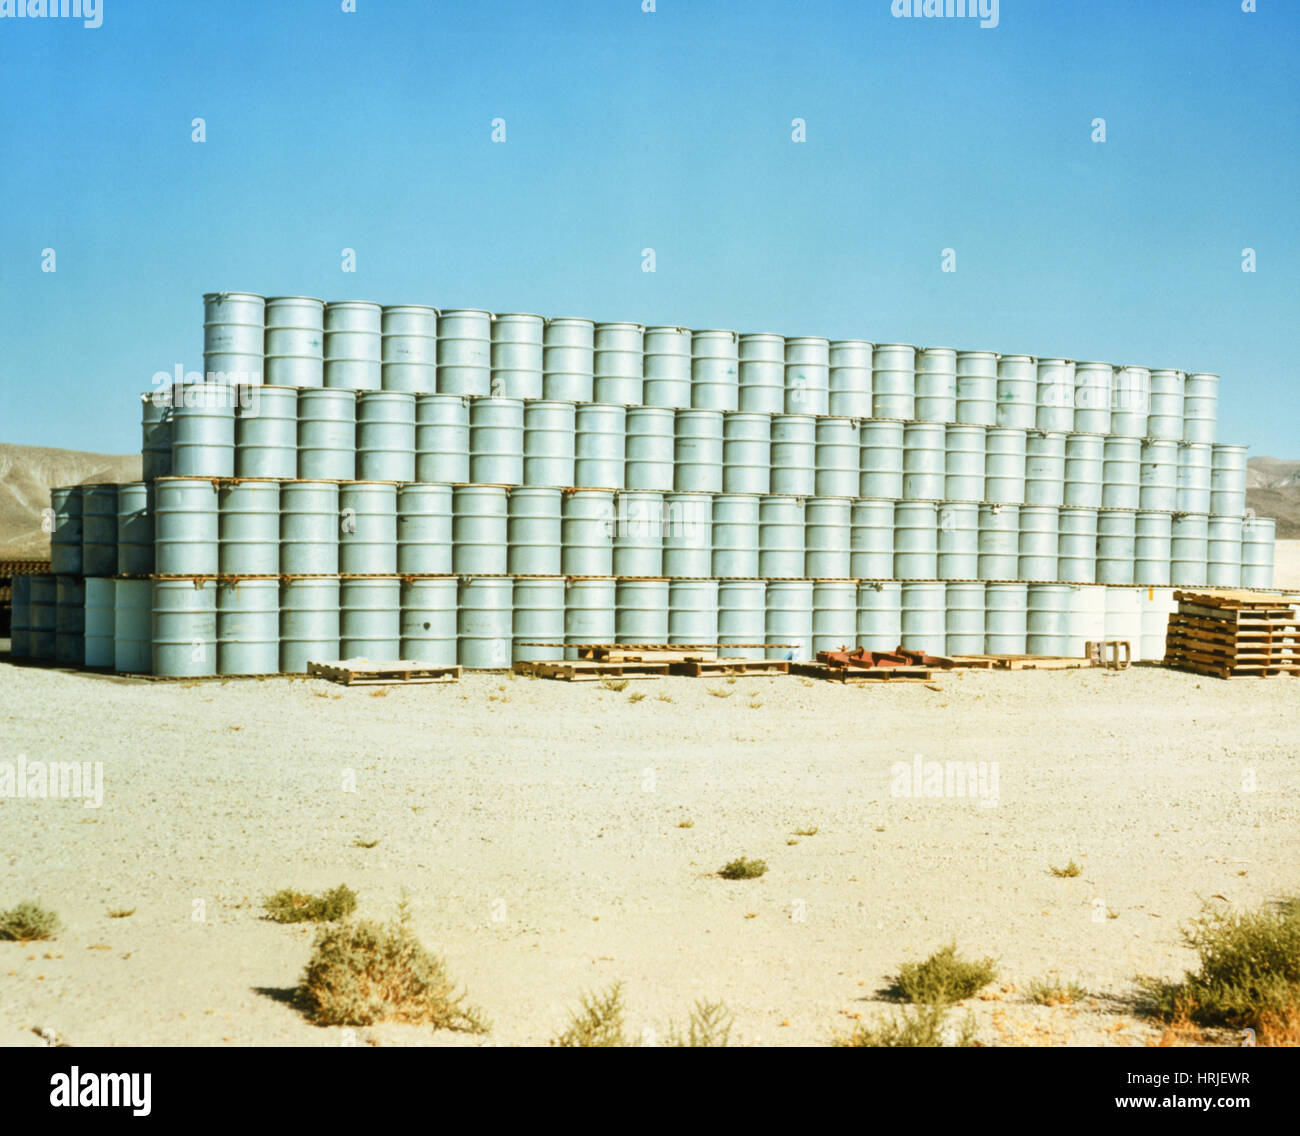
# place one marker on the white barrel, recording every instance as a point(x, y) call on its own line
point(641, 612)
point(794, 455)
point(1092, 394)
point(442, 438)
point(882, 460)
point(715, 367)
point(248, 627)
point(234, 330)
point(742, 618)
point(1017, 392)
point(538, 618)
point(1201, 408)
point(1006, 618)
point(880, 614)
point(1084, 470)
point(1044, 468)
point(1040, 528)
point(367, 528)
point(850, 378)
point(924, 461)
point(925, 618)
point(1004, 466)
point(827, 538)
point(693, 612)
point(807, 375)
point(535, 532)
point(936, 385)
point(1195, 462)
point(249, 530)
point(590, 610)
point(386, 436)
point(964, 463)
point(309, 622)
point(203, 429)
point(496, 441)
point(98, 638)
point(650, 448)
point(1151, 549)
point(1155, 605)
point(185, 526)
point(156, 434)
point(1116, 546)
point(1189, 550)
point(184, 635)
point(465, 352)
point(1158, 475)
point(428, 618)
point(133, 626)
point(835, 615)
point(587, 533)
point(1228, 481)
point(327, 435)
point(1121, 473)
point(1047, 625)
point(309, 528)
point(959, 541)
point(294, 342)
point(516, 355)
point(1085, 619)
point(639, 539)
point(871, 540)
point(977, 388)
point(98, 530)
point(549, 443)
point(762, 373)
point(409, 349)
point(789, 619)
point(1223, 556)
point(600, 439)
point(479, 530)
point(266, 433)
point(1055, 396)
point(916, 540)
point(354, 345)
point(619, 361)
point(838, 454)
point(965, 619)
point(1258, 538)
point(485, 622)
point(698, 450)
point(1077, 553)
point(568, 363)
point(747, 453)
point(1124, 615)
point(667, 372)
point(735, 536)
point(1130, 402)
point(893, 381)
point(1165, 416)
point(370, 618)
point(780, 537)
point(688, 535)
point(999, 536)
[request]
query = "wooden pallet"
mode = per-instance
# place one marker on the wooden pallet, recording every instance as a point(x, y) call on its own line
point(1221, 670)
point(853, 675)
point(368, 672)
point(701, 668)
point(585, 670)
point(1232, 599)
point(1037, 662)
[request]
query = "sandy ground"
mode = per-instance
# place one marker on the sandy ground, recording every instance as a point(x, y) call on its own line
point(1286, 564)
point(535, 828)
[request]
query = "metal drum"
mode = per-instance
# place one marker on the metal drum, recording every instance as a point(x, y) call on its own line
point(965, 620)
point(1258, 539)
point(742, 618)
point(248, 524)
point(1006, 618)
point(667, 373)
point(1092, 387)
point(186, 529)
point(248, 627)
point(747, 453)
point(735, 535)
point(184, 635)
point(924, 461)
point(916, 540)
point(1130, 402)
point(1155, 606)
point(538, 618)
point(600, 434)
point(309, 528)
point(1195, 460)
point(133, 626)
point(977, 388)
point(1044, 468)
point(1005, 466)
point(882, 460)
point(98, 637)
point(1165, 416)
point(42, 617)
point(1077, 553)
point(827, 538)
point(549, 443)
point(327, 435)
point(807, 375)
point(20, 618)
point(999, 547)
point(893, 381)
point(409, 349)
point(650, 448)
point(959, 542)
point(465, 352)
point(688, 535)
point(1084, 470)
point(266, 433)
point(1189, 550)
point(964, 463)
point(1121, 473)
point(234, 326)
point(156, 434)
point(568, 364)
point(1224, 552)
point(428, 618)
point(1017, 392)
point(354, 346)
point(1200, 408)
point(1151, 549)
point(587, 533)
point(590, 613)
point(442, 438)
point(838, 456)
point(936, 385)
point(98, 530)
point(1116, 546)
point(535, 533)
point(880, 614)
point(424, 537)
point(386, 436)
point(925, 618)
point(794, 455)
point(370, 619)
point(698, 451)
point(639, 538)
point(294, 342)
point(693, 612)
point(485, 622)
point(1228, 481)
point(479, 530)
point(309, 623)
point(871, 540)
point(203, 430)
point(1048, 620)
point(641, 612)
point(516, 355)
point(1085, 619)
point(715, 366)
point(780, 537)
point(850, 378)
point(789, 619)
point(835, 615)
point(1040, 528)
point(367, 528)
point(619, 361)
point(1055, 396)
point(496, 441)
point(1158, 476)
point(762, 374)
point(1124, 614)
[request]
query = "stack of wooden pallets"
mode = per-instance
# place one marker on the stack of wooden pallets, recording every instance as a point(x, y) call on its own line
point(1230, 633)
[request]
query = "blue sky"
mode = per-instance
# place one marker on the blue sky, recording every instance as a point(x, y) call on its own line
point(669, 130)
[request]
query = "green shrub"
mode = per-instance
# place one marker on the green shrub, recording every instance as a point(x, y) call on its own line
point(709, 1027)
point(599, 1024)
point(743, 869)
point(943, 978)
point(922, 1027)
point(289, 906)
point(1054, 992)
point(29, 921)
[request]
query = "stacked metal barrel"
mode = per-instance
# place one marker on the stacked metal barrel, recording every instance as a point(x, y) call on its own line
point(456, 486)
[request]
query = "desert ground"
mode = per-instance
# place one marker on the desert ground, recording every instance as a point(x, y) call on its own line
point(537, 829)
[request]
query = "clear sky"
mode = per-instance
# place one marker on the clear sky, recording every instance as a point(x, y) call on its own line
point(671, 130)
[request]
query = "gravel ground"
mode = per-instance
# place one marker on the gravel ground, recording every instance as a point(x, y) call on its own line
point(536, 828)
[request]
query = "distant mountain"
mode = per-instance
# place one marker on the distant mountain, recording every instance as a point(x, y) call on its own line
point(1271, 473)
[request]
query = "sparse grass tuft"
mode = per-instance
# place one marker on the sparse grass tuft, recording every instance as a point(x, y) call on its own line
point(289, 906)
point(922, 1027)
point(718, 692)
point(120, 912)
point(942, 978)
point(686, 822)
point(614, 684)
point(1054, 992)
point(709, 1027)
point(811, 831)
point(1068, 872)
point(756, 705)
point(636, 697)
point(359, 843)
point(29, 921)
point(742, 869)
point(599, 1024)
point(664, 698)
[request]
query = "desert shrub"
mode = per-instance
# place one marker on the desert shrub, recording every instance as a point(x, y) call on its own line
point(1068, 872)
point(599, 1024)
point(942, 978)
point(920, 1027)
point(1054, 992)
point(743, 869)
point(289, 906)
point(29, 921)
point(709, 1027)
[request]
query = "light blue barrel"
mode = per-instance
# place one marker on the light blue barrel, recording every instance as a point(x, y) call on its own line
point(354, 345)
point(1130, 403)
point(428, 619)
point(133, 626)
point(485, 622)
point(893, 381)
point(98, 639)
point(42, 617)
point(1077, 554)
point(667, 371)
point(549, 443)
point(409, 349)
point(534, 532)
point(1223, 552)
point(1124, 615)
point(1154, 609)
point(309, 623)
point(156, 434)
point(600, 433)
point(838, 457)
point(98, 530)
point(1151, 549)
point(587, 534)
point(1048, 623)
point(1116, 546)
point(496, 441)
point(715, 366)
point(1165, 416)
point(807, 375)
point(924, 460)
point(794, 455)
point(1084, 470)
point(936, 385)
point(850, 378)
point(590, 613)
point(871, 540)
point(1158, 476)
point(964, 463)
point(916, 540)
point(309, 528)
point(327, 435)
point(424, 538)
point(835, 615)
point(827, 538)
point(465, 352)
point(479, 530)
point(517, 355)
point(1040, 527)
point(1055, 395)
point(747, 453)
point(234, 328)
point(1121, 473)
point(639, 537)
point(762, 374)
point(965, 618)
point(248, 527)
point(370, 619)
point(367, 528)
point(1005, 466)
point(538, 618)
point(789, 619)
point(266, 433)
point(693, 613)
point(780, 537)
point(386, 436)
point(618, 363)
point(735, 536)
point(1201, 408)
point(1228, 481)
point(1005, 618)
point(881, 460)
point(698, 451)
point(567, 360)
point(1092, 395)
point(925, 617)
point(248, 627)
point(1258, 542)
point(688, 535)
point(999, 537)
point(184, 634)
point(203, 430)
point(1189, 550)
point(650, 448)
point(959, 541)
point(641, 611)
point(186, 527)
point(1195, 463)
point(977, 388)
point(1044, 468)
point(294, 342)
point(20, 618)
point(442, 438)
point(1017, 392)
point(742, 618)
point(880, 614)
point(1086, 619)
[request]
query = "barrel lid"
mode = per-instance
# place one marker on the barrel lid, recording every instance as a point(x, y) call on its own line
point(293, 299)
point(233, 296)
